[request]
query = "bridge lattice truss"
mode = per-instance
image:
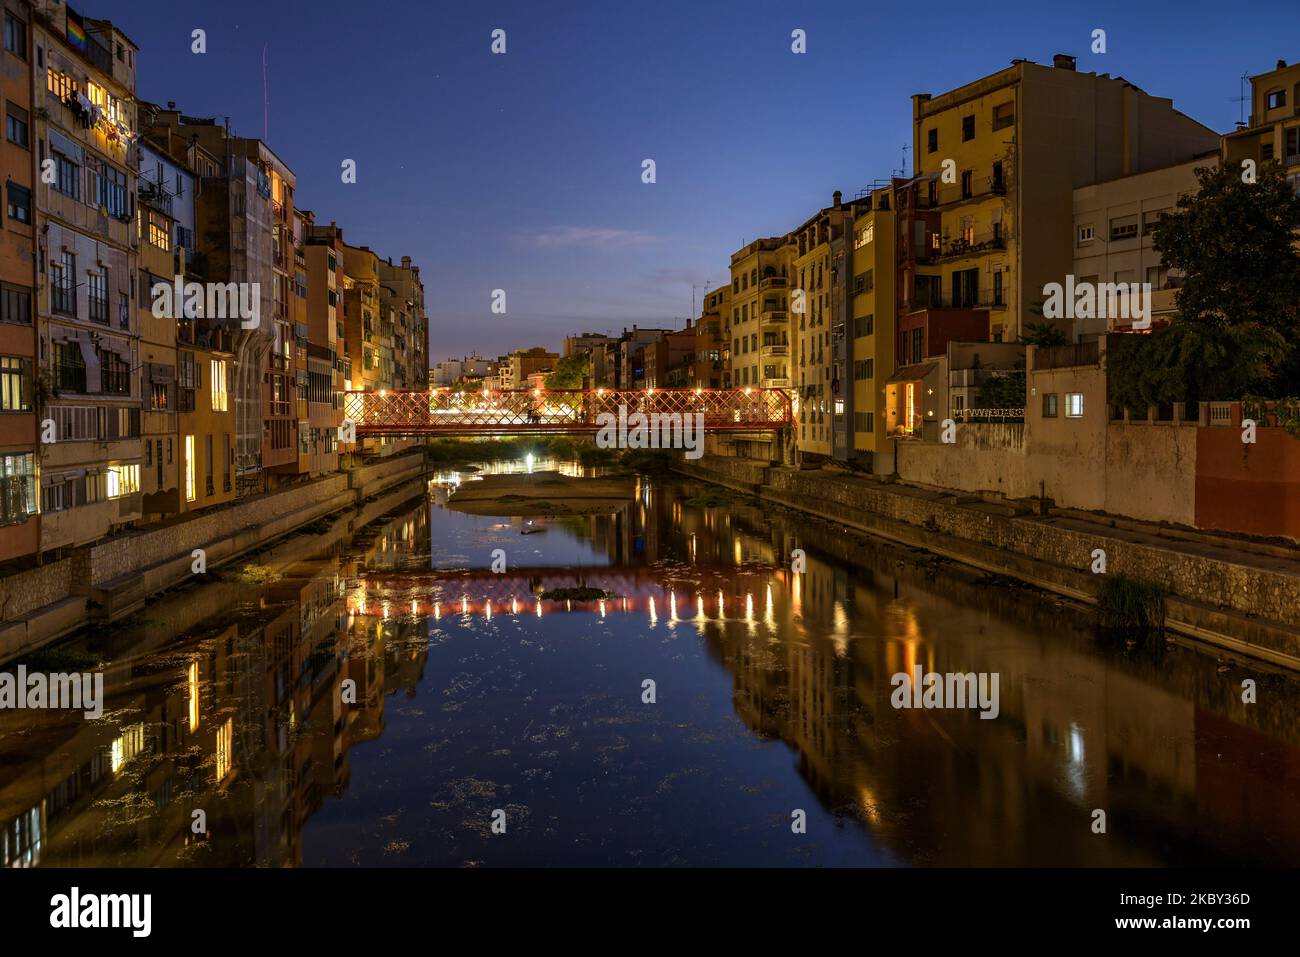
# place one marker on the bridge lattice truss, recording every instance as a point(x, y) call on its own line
point(509, 412)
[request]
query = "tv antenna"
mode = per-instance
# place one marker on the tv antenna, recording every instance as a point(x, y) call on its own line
point(1241, 101)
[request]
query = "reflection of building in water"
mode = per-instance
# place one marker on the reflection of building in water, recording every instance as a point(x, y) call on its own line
point(1075, 731)
point(244, 721)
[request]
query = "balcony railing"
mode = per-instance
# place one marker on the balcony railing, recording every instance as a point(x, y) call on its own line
point(773, 282)
point(776, 349)
point(963, 246)
point(774, 316)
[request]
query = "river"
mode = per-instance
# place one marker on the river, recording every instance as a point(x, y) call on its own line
point(398, 701)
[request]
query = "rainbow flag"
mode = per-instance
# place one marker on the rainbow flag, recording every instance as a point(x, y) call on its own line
point(76, 32)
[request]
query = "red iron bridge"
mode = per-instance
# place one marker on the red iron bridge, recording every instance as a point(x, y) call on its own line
point(519, 411)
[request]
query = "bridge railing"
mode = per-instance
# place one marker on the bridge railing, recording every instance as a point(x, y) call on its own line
point(458, 412)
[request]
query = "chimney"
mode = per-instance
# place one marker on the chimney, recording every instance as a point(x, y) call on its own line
point(406, 262)
point(836, 197)
point(171, 104)
point(1063, 61)
point(1281, 64)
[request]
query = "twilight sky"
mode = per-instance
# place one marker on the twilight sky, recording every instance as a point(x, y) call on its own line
point(523, 171)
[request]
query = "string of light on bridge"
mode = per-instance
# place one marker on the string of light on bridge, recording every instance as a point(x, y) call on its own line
point(697, 607)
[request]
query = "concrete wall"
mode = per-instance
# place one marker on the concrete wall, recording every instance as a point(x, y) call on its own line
point(1151, 471)
point(987, 457)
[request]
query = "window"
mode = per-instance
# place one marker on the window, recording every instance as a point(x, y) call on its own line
point(15, 376)
point(932, 141)
point(1275, 99)
point(69, 367)
point(864, 326)
point(864, 422)
point(1074, 405)
point(160, 230)
point(1124, 227)
point(1004, 115)
point(98, 295)
point(190, 491)
point(158, 396)
point(864, 283)
point(123, 480)
point(19, 202)
point(967, 183)
point(220, 398)
point(997, 287)
point(15, 36)
point(1086, 234)
point(865, 235)
point(114, 373)
point(864, 369)
point(17, 487)
point(16, 129)
point(60, 84)
point(967, 128)
point(108, 191)
point(208, 485)
point(67, 176)
point(15, 303)
point(63, 292)
point(1049, 405)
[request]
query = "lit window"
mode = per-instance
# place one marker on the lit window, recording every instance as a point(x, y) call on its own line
point(220, 398)
point(1074, 405)
point(190, 492)
point(123, 480)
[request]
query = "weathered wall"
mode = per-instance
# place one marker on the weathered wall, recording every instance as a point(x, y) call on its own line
point(1150, 471)
point(987, 457)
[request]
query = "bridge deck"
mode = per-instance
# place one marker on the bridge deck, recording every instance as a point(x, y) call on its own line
point(452, 412)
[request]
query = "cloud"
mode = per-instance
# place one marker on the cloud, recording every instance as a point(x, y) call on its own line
point(557, 237)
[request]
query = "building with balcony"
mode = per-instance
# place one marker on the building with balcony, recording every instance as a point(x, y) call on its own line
point(323, 253)
point(85, 116)
point(760, 314)
point(1272, 134)
point(668, 357)
point(712, 347)
point(995, 163)
point(243, 221)
point(402, 292)
point(819, 330)
point(870, 327)
point(166, 200)
point(19, 396)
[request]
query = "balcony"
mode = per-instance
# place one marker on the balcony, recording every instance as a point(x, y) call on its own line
point(775, 349)
point(774, 316)
point(962, 246)
point(981, 187)
point(771, 383)
point(773, 282)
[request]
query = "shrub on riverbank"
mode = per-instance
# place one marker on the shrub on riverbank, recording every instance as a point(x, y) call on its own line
point(1131, 605)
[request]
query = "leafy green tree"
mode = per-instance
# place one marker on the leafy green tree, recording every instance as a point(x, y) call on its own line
point(1043, 334)
point(1238, 309)
point(568, 373)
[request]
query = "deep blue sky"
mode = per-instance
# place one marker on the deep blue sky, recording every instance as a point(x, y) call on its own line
point(523, 171)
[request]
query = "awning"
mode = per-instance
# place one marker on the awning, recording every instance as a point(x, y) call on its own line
point(67, 147)
point(913, 373)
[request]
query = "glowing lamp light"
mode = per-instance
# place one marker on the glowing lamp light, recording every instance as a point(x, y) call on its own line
point(537, 392)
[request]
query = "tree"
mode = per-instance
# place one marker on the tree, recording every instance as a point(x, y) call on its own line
point(1043, 334)
point(1238, 308)
point(569, 373)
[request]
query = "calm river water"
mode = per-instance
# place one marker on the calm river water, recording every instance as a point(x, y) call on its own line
point(387, 702)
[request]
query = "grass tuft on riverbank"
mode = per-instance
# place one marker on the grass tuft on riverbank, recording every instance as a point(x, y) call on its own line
point(1131, 605)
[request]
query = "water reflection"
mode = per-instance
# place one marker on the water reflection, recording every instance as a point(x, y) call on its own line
point(375, 704)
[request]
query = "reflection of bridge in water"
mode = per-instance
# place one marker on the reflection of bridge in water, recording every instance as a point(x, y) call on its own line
point(717, 592)
point(559, 411)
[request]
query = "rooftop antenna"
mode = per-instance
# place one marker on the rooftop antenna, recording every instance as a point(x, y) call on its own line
point(1241, 100)
point(266, 100)
point(902, 170)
